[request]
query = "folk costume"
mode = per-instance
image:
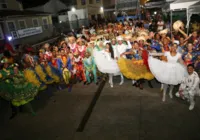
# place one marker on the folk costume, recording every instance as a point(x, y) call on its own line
point(189, 88)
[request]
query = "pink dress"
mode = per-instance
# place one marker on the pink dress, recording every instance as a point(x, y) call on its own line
point(73, 47)
point(81, 50)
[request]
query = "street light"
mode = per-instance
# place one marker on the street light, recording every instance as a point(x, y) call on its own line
point(101, 9)
point(73, 9)
point(155, 13)
point(9, 38)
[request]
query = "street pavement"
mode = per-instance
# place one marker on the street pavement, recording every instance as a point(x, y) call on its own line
point(121, 113)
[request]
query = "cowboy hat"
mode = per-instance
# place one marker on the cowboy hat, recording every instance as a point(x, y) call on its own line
point(165, 31)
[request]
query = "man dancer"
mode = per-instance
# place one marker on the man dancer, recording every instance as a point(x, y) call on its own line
point(189, 86)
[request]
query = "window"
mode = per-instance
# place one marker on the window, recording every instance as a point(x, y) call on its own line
point(91, 1)
point(98, 1)
point(3, 4)
point(83, 2)
point(1, 34)
point(12, 28)
point(22, 24)
point(45, 23)
point(35, 22)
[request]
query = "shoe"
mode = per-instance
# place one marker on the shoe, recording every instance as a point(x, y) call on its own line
point(84, 83)
point(59, 88)
point(191, 107)
point(111, 85)
point(134, 85)
point(14, 114)
point(70, 89)
point(121, 83)
point(150, 85)
point(141, 87)
point(88, 83)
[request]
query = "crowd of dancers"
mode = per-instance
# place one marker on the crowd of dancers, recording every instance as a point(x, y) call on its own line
point(124, 49)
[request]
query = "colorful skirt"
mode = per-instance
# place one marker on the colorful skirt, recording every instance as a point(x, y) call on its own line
point(52, 74)
point(42, 75)
point(18, 93)
point(32, 77)
point(134, 69)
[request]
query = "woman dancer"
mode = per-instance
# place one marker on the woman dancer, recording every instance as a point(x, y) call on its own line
point(107, 64)
point(135, 68)
point(174, 72)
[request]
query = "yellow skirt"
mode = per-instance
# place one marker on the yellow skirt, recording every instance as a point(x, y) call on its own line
point(42, 75)
point(134, 69)
point(52, 75)
point(31, 77)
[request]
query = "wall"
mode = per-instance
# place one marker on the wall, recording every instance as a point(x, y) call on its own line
point(81, 14)
point(63, 18)
point(93, 9)
point(34, 38)
point(14, 5)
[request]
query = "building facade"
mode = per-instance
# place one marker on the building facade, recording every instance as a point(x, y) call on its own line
point(94, 8)
point(24, 27)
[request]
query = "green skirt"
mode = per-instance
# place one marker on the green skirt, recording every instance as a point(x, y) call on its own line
point(19, 94)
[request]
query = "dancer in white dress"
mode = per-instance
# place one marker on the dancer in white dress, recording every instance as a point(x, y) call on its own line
point(169, 73)
point(106, 63)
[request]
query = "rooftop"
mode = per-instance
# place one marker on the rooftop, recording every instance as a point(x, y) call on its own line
point(6, 13)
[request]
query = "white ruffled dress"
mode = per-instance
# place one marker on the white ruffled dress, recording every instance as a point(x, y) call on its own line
point(171, 72)
point(105, 63)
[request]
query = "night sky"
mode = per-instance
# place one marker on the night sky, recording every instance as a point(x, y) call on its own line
point(34, 3)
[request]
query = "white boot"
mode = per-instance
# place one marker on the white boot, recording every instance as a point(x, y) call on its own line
point(170, 91)
point(165, 86)
point(191, 107)
point(164, 97)
point(111, 80)
point(192, 103)
point(122, 80)
point(170, 95)
point(111, 85)
point(162, 87)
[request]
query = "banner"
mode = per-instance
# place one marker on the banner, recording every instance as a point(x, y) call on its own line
point(29, 32)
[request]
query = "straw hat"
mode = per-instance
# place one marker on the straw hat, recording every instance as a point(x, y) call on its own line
point(177, 25)
point(79, 40)
point(71, 38)
point(165, 31)
point(128, 36)
point(105, 35)
point(142, 33)
point(134, 38)
point(119, 38)
point(141, 38)
point(113, 39)
point(93, 38)
point(42, 51)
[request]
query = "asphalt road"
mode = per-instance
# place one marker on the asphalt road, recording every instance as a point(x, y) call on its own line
point(121, 113)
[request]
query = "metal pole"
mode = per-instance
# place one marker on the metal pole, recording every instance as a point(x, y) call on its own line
point(187, 21)
point(171, 21)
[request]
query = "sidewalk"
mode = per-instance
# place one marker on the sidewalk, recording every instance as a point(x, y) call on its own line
point(121, 113)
